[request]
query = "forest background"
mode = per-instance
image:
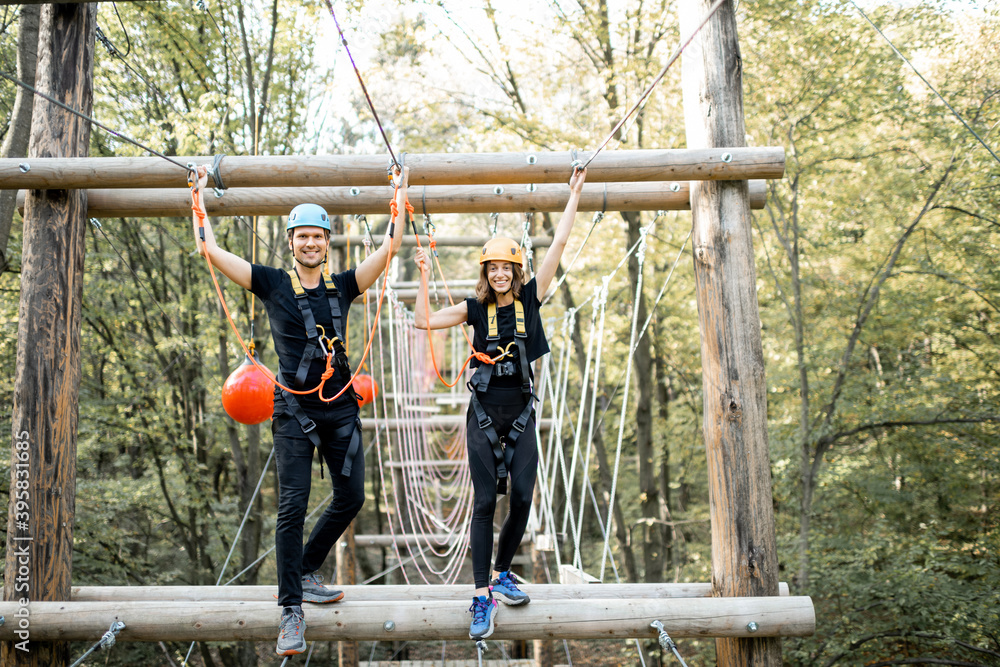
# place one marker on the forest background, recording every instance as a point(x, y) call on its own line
point(877, 277)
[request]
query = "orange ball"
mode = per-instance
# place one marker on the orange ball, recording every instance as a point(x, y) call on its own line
point(366, 388)
point(248, 395)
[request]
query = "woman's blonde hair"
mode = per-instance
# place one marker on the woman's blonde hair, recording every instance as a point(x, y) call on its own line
point(486, 294)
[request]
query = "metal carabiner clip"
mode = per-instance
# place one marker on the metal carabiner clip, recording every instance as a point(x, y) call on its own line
point(505, 350)
point(326, 342)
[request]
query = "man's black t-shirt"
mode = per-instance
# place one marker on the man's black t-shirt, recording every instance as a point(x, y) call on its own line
point(288, 331)
point(535, 345)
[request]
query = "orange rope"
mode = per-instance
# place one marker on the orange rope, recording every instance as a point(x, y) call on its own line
point(481, 356)
point(328, 372)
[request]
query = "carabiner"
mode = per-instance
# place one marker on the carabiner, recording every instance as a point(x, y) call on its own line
point(505, 350)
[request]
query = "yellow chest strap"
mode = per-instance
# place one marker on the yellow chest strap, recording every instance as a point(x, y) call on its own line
point(297, 284)
point(491, 319)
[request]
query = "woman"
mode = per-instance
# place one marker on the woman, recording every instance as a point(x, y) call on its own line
point(501, 429)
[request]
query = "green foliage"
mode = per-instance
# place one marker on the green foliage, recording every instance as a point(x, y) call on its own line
point(884, 442)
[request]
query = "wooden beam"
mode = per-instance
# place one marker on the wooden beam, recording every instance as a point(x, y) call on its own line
point(599, 618)
point(439, 199)
point(744, 548)
point(432, 592)
point(568, 574)
point(280, 171)
point(39, 554)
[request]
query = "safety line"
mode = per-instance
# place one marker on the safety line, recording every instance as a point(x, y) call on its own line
point(926, 82)
point(656, 80)
point(364, 89)
point(15, 80)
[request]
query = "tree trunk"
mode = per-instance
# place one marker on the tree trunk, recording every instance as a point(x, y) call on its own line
point(664, 395)
point(744, 557)
point(15, 144)
point(47, 382)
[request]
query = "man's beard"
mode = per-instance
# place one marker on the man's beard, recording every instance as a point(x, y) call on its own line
point(318, 262)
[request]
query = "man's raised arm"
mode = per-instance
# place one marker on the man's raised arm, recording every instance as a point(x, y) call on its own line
point(233, 267)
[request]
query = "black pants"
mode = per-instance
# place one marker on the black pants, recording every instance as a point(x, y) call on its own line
point(294, 460)
point(503, 407)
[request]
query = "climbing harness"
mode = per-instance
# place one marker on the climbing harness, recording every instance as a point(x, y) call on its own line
point(503, 445)
point(321, 346)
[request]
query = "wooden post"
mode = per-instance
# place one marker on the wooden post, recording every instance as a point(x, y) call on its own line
point(347, 575)
point(47, 381)
point(744, 558)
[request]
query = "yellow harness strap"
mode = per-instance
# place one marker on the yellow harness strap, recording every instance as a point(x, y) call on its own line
point(491, 319)
point(296, 283)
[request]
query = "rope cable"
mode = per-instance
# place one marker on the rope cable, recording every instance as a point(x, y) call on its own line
point(364, 89)
point(92, 121)
point(926, 82)
point(656, 80)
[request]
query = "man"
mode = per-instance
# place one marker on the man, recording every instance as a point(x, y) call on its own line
point(306, 308)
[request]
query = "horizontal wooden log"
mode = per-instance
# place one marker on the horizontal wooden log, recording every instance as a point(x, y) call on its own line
point(167, 203)
point(599, 618)
point(277, 171)
point(392, 593)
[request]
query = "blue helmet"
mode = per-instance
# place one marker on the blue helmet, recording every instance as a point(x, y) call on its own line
point(308, 215)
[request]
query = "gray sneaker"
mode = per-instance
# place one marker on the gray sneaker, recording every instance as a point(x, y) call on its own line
point(313, 590)
point(291, 633)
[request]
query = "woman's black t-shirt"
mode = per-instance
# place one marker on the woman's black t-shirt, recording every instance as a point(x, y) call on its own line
point(535, 345)
point(288, 331)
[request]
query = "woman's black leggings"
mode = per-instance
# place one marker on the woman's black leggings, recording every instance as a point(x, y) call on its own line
point(503, 407)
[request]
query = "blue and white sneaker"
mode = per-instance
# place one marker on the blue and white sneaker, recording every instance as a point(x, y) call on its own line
point(505, 588)
point(483, 609)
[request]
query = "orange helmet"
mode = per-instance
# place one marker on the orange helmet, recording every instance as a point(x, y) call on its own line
point(501, 249)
